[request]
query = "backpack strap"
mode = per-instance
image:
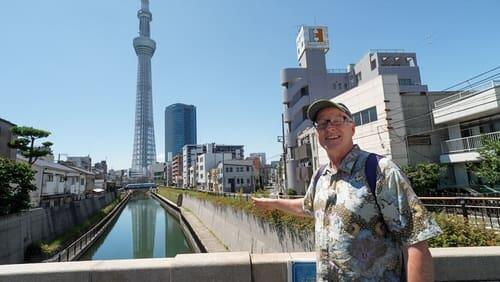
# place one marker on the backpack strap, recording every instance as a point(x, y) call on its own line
point(371, 171)
point(317, 176)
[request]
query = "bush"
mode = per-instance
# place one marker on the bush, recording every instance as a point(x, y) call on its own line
point(458, 233)
point(291, 192)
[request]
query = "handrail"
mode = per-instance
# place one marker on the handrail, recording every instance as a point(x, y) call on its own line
point(466, 144)
point(466, 93)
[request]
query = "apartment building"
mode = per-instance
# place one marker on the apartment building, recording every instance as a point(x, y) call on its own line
point(190, 154)
point(469, 115)
point(392, 72)
point(236, 176)
point(177, 166)
point(205, 163)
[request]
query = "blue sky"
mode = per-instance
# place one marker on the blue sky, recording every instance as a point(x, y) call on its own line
point(69, 66)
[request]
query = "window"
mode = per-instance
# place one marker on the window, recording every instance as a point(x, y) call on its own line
point(357, 118)
point(345, 85)
point(248, 168)
point(304, 112)
point(227, 169)
point(372, 113)
point(419, 140)
point(237, 181)
point(365, 116)
point(411, 61)
point(358, 76)
point(373, 64)
point(248, 181)
point(404, 81)
point(82, 181)
point(61, 178)
point(334, 86)
point(304, 91)
point(50, 178)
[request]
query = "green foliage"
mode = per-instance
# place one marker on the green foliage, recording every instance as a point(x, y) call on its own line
point(458, 233)
point(25, 142)
point(275, 217)
point(15, 185)
point(291, 192)
point(424, 177)
point(489, 167)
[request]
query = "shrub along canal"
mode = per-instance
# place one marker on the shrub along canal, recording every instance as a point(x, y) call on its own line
point(144, 229)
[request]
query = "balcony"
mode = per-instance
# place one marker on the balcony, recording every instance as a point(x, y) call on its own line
point(288, 93)
point(475, 102)
point(464, 149)
point(467, 144)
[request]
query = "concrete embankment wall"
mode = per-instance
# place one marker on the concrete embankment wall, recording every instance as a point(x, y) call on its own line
point(241, 231)
point(18, 231)
point(172, 209)
point(451, 264)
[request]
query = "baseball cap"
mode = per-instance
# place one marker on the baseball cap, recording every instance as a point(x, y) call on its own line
point(318, 105)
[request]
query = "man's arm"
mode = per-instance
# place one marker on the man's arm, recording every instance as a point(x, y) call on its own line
point(419, 266)
point(291, 206)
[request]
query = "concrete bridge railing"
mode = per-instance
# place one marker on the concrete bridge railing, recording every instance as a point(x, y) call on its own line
point(451, 264)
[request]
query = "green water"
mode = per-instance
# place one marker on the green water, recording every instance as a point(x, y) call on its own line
point(143, 230)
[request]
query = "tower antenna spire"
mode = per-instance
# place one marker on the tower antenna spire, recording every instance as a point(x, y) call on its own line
point(144, 152)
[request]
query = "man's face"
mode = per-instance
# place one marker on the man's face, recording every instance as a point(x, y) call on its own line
point(336, 137)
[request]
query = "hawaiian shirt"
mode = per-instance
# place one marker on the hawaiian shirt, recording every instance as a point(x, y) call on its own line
point(356, 239)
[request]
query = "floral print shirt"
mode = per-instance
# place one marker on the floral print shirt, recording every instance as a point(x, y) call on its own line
point(356, 240)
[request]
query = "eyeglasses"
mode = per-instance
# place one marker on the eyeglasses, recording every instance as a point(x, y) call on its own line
point(335, 122)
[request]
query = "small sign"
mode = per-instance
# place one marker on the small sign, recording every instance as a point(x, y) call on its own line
point(312, 37)
point(301, 270)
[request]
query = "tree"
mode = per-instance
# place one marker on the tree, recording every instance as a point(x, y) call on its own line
point(15, 185)
point(423, 177)
point(489, 167)
point(25, 142)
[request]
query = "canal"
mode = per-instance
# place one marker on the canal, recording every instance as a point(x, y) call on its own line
point(144, 229)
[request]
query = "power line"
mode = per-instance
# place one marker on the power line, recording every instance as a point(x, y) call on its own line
point(479, 75)
point(437, 129)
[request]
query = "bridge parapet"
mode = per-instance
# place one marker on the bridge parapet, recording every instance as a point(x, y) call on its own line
point(451, 264)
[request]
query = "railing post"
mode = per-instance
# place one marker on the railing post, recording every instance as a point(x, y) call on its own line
point(464, 210)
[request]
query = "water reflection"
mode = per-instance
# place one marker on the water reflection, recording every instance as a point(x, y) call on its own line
point(143, 230)
point(143, 222)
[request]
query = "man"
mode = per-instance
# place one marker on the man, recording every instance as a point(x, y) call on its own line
point(360, 235)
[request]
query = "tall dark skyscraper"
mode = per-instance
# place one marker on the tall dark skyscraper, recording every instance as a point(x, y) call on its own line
point(144, 153)
point(180, 128)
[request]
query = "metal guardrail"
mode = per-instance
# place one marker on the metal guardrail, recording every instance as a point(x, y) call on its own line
point(73, 251)
point(466, 93)
point(476, 210)
point(467, 144)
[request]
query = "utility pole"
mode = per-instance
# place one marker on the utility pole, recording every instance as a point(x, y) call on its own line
point(282, 140)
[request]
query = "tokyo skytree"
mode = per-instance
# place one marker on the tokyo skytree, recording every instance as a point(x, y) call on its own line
point(144, 153)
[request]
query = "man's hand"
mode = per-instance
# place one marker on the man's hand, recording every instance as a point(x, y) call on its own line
point(264, 203)
point(419, 264)
point(292, 206)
